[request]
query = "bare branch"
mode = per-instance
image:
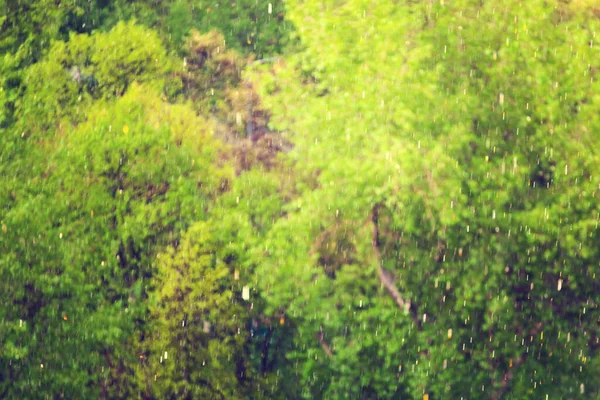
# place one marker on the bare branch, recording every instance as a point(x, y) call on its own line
point(324, 344)
point(385, 277)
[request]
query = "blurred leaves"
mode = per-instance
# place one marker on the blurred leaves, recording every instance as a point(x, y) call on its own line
point(157, 161)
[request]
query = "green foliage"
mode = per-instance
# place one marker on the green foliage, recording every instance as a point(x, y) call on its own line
point(432, 232)
point(85, 68)
point(27, 29)
point(140, 55)
point(209, 69)
point(248, 25)
point(467, 122)
point(151, 166)
point(32, 24)
point(111, 191)
point(201, 319)
point(209, 341)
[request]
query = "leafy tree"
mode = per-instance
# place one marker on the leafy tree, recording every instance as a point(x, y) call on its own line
point(432, 231)
point(79, 235)
point(201, 318)
point(28, 27)
point(119, 177)
point(248, 25)
point(85, 68)
point(209, 340)
point(443, 147)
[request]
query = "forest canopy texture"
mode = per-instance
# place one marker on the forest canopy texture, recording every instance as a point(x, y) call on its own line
point(299, 199)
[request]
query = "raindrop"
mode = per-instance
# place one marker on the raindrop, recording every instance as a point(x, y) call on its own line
point(246, 293)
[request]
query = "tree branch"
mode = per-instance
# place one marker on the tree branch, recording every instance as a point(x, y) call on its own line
point(385, 277)
point(324, 344)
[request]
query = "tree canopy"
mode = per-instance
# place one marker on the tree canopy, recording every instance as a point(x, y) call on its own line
point(299, 199)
